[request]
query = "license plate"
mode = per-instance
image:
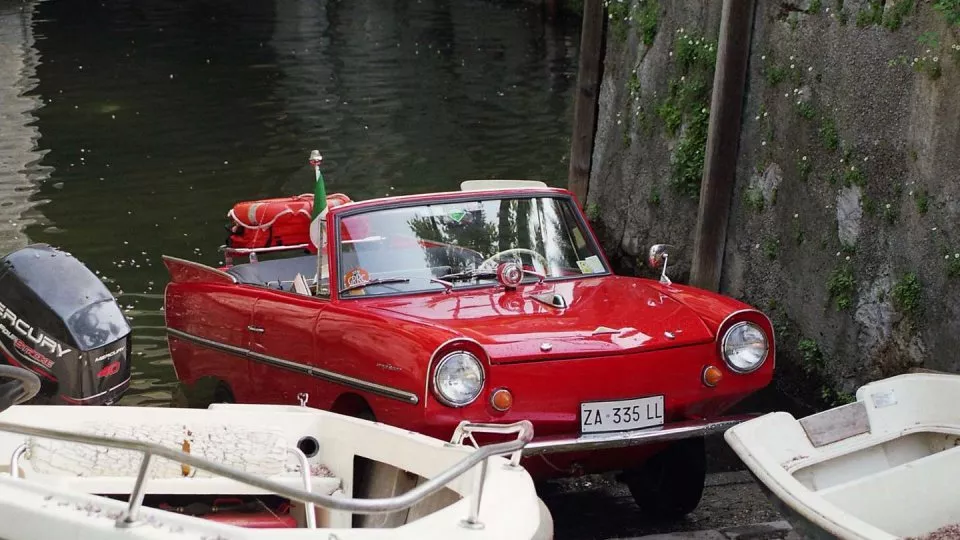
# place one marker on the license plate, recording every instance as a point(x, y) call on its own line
point(622, 415)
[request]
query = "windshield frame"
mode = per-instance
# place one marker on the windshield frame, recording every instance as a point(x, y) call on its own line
point(563, 198)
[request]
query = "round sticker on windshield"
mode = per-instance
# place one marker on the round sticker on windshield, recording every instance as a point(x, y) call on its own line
point(357, 276)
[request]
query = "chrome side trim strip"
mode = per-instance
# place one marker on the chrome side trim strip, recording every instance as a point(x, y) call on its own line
point(673, 431)
point(330, 376)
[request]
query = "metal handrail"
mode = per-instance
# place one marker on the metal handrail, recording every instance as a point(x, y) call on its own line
point(229, 252)
point(359, 506)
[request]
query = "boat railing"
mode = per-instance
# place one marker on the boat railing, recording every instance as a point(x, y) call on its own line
point(130, 516)
point(230, 252)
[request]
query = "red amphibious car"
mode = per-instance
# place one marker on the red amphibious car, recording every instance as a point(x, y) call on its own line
point(491, 304)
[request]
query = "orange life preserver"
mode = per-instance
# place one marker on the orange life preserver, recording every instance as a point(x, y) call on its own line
point(283, 221)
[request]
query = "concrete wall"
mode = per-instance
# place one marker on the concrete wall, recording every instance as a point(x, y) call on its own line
point(845, 225)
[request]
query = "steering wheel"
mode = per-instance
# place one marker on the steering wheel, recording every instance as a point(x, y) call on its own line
point(24, 386)
point(532, 253)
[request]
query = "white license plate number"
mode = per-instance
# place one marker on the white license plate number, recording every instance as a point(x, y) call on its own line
point(622, 415)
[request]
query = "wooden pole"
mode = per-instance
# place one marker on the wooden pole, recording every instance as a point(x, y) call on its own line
point(585, 107)
point(723, 138)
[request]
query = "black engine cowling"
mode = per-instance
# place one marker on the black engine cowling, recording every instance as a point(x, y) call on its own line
point(60, 321)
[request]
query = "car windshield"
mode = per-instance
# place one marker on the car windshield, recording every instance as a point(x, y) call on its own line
point(408, 249)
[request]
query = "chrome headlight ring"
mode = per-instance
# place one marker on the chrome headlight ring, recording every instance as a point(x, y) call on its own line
point(745, 347)
point(458, 379)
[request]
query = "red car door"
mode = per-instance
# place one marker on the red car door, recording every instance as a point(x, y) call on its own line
point(282, 345)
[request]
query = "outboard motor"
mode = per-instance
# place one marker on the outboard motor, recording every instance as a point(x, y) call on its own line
point(58, 320)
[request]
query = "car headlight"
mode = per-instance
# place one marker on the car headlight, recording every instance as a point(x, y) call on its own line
point(744, 347)
point(458, 379)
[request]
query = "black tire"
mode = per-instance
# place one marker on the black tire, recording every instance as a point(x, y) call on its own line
point(669, 485)
point(200, 395)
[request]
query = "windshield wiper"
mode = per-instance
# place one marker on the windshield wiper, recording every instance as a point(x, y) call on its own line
point(378, 281)
point(470, 274)
point(487, 274)
point(383, 281)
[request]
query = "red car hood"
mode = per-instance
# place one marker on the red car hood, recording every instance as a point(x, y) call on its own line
point(604, 315)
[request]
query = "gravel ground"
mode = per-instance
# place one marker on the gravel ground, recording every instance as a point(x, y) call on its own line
point(599, 508)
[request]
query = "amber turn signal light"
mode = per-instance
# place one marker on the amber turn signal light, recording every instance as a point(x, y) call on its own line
point(501, 399)
point(712, 376)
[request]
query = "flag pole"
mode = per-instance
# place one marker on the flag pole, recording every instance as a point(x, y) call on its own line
point(319, 205)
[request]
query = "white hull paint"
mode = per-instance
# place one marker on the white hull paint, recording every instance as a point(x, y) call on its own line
point(884, 467)
point(59, 488)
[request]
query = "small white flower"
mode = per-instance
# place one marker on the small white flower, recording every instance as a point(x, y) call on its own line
point(888, 206)
point(757, 118)
point(804, 158)
point(933, 229)
point(911, 193)
point(795, 216)
point(828, 10)
point(810, 68)
point(764, 57)
point(956, 255)
point(791, 58)
point(786, 95)
point(793, 66)
point(866, 158)
point(838, 254)
point(765, 114)
point(946, 257)
point(848, 257)
point(936, 58)
point(763, 143)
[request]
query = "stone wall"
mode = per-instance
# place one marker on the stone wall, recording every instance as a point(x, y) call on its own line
point(845, 225)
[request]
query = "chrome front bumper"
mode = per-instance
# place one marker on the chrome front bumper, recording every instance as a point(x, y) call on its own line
point(600, 441)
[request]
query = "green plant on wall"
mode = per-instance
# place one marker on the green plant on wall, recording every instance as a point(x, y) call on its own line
point(922, 199)
point(593, 211)
point(871, 14)
point(685, 111)
point(647, 17)
point(618, 15)
point(908, 297)
point(643, 16)
point(953, 265)
point(950, 10)
point(771, 247)
point(810, 355)
point(841, 286)
point(828, 134)
point(893, 19)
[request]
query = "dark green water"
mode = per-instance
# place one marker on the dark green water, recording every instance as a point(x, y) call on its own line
point(128, 128)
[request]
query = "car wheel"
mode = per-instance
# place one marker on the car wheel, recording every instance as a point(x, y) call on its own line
point(179, 398)
point(669, 485)
point(200, 395)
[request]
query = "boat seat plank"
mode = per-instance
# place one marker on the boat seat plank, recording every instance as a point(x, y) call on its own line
point(907, 500)
point(836, 424)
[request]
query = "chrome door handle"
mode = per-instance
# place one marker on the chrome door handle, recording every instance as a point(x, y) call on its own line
point(256, 329)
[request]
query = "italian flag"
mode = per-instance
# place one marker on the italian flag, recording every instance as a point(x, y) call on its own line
point(319, 190)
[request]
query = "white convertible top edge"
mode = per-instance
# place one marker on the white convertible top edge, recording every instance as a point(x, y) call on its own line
point(476, 185)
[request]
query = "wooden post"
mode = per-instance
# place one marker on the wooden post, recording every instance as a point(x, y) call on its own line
point(585, 107)
point(720, 163)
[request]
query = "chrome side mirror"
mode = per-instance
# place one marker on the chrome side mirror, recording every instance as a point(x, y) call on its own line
point(658, 257)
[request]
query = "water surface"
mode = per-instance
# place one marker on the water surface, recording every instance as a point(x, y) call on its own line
point(128, 128)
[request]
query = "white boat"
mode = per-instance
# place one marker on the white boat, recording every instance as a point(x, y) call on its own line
point(254, 472)
point(886, 466)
